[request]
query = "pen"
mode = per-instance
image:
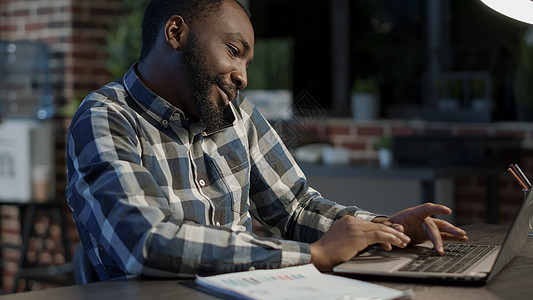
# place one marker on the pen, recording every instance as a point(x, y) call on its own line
point(523, 184)
point(517, 175)
point(523, 175)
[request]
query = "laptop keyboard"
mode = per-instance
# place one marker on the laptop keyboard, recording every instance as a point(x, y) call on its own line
point(456, 259)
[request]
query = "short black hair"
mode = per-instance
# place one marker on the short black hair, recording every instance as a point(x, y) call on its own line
point(158, 12)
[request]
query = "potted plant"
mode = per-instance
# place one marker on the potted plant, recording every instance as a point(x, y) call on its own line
point(383, 144)
point(365, 99)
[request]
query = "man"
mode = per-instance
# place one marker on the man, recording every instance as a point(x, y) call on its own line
point(167, 166)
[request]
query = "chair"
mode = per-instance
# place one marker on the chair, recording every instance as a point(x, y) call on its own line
point(84, 272)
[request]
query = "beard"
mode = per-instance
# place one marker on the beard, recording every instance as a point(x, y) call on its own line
point(194, 61)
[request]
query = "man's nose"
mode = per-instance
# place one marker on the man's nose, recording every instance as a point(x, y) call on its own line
point(240, 78)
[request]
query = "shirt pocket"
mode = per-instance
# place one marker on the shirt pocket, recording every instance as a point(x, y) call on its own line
point(233, 168)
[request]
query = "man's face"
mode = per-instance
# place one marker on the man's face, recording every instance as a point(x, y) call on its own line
point(216, 56)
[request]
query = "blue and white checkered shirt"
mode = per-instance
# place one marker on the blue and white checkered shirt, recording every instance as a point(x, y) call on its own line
point(153, 194)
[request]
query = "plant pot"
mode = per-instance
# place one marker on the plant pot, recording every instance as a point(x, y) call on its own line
point(365, 106)
point(385, 157)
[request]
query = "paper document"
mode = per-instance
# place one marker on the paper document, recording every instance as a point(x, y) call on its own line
point(301, 282)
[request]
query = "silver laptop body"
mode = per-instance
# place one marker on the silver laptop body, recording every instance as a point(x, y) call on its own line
point(378, 262)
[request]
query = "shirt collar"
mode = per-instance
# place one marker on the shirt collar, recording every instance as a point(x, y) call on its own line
point(157, 107)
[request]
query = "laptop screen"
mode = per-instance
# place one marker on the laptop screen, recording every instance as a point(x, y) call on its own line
point(516, 237)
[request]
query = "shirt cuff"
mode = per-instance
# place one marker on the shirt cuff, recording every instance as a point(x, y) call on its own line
point(294, 253)
point(367, 216)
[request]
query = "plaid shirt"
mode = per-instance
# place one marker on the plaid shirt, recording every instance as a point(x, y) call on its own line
point(152, 193)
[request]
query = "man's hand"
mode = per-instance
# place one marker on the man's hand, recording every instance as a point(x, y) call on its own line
point(348, 236)
point(420, 227)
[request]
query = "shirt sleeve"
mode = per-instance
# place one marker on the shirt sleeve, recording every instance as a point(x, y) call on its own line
point(117, 201)
point(281, 199)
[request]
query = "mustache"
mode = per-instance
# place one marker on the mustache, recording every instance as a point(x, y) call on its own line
point(228, 86)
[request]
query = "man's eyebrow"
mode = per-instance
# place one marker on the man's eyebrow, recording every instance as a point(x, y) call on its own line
point(237, 36)
point(240, 38)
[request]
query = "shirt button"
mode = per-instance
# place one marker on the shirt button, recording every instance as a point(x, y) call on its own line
point(201, 182)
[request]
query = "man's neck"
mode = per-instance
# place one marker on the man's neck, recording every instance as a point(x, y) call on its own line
point(171, 86)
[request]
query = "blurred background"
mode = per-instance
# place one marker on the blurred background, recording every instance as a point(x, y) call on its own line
point(386, 104)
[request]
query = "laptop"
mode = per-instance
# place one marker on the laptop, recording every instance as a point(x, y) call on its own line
point(462, 262)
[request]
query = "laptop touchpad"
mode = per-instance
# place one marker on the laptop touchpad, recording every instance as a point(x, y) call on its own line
point(378, 260)
point(377, 263)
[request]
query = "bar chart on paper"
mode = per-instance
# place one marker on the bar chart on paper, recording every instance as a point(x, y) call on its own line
point(302, 282)
point(245, 282)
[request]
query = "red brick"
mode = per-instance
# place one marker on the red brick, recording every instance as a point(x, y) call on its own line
point(313, 130)
point(58, 24)
point(370, 131)
point(10, 267)
point(8, 28)
point(86, 25)
point(10, 226)
point(338, 130)
point(45, 10)
point(11, 239)
point(59, 258)
point(397, 131)
point(84, 55)
point(20, 12)
point(354, 145)
point(34, 26)
point(78, 39)
point(75, 9)
point(10, 254)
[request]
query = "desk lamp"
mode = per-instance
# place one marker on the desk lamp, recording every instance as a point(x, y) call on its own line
point(521, 10)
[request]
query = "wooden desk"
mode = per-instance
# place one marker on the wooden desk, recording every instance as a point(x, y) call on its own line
point(513, 282)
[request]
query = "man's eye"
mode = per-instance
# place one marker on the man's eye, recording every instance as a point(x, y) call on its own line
point(233, 50)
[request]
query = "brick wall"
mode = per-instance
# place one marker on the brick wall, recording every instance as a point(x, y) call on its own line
point(75, 32)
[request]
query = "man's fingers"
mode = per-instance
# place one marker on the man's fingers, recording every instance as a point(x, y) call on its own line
point(446, 227)
point(434, 234)
point(396, 230)
point(429, 209)
point(450, 237)
point(398, 227)
point(386, 246)
point(386, 235)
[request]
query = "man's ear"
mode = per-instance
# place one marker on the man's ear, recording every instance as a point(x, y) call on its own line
point(176, 32)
